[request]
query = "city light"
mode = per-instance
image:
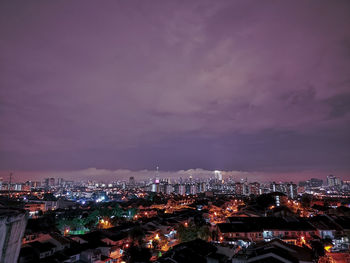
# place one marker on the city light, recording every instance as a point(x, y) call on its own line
point(174, 131)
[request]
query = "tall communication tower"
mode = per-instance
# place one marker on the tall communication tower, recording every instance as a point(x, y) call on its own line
point(157, 175)
point(9, 185)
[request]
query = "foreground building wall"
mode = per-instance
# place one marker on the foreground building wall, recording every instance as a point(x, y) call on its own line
point(12, 226)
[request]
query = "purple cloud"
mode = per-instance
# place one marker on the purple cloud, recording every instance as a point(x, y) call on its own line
point(235, 85)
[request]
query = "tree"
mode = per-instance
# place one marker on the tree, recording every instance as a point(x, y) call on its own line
point(131, 212)
point(265, 200)
point(318, 248)
point(92, 219)
point(137, 254)
point(198, 220)
point(192, 232)
point(40, 212)
point(155, 244)
point(204, 233)
point(306, 200)
point(137, 235)
point(72, 224)
point(117, 211)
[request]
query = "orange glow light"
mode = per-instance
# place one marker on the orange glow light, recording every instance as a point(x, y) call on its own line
point(328, 248)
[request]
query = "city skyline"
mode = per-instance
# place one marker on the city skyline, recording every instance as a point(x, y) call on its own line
point(184, 131)
point(109, 176)
point(257, 88)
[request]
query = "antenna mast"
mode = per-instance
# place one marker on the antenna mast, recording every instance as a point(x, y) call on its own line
point(9, 185)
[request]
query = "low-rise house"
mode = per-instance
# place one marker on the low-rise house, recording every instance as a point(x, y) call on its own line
point(56, 239)
point(256, 229)
point(34, 208)
point(43, 250)
point(91, 255)
point(274, 251)
point(240, 230)
point(189, 252)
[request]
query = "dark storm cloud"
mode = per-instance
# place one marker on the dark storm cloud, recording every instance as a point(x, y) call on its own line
point(340, 105)
point(236, 85)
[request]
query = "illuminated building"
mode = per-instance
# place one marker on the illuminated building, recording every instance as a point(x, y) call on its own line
point(314, 182)
point(292, 190)
point(155, 187)
point(203, 187)
point(60, 181)
point(333, 181)
point(182, 189)
point(193, 189)
point(218, 175)
point(254, 188)
point(239, 188)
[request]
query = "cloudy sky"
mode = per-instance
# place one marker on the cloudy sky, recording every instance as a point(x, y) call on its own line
point(261, 87)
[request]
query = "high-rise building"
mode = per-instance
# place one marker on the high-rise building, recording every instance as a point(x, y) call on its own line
point(193, 189)
point(60, 181)
point(218, 175)
point(239, 188)
point(203, 187)
point(273, 187)
point(337, 181)
point(314, 182)
point(52, 182)
point(155, 188)
point(242, 188)
point(169, 189)
point(278, 187)
point(292, 190)
point(182, 189)
point(132, 181)
point(330, 180)
point(333, 181)
point(12, 225)
point(17, 187)
point(48, 182)
point(254, 188)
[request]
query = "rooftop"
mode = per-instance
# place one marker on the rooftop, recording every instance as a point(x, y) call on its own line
point(7, 212)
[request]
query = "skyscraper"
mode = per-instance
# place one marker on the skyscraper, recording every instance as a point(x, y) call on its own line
point(132, 181)
point(218, 175)
point(333, 181)
point(292, 190)
point(314, 182)
point(330, 180)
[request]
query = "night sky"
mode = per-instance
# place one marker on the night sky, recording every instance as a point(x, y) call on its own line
point(260, 87)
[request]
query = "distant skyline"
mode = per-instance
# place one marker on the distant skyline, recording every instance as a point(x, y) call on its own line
point(259, 87)
point(107, 176)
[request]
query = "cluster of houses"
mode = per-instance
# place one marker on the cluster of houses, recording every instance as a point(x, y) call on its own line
point(292, 230)
point(200, 251)
point(103, 245)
